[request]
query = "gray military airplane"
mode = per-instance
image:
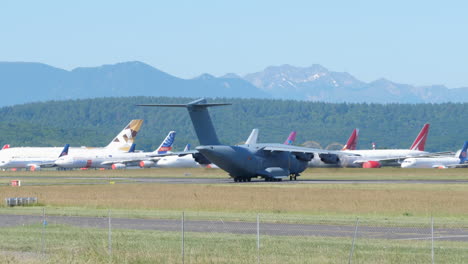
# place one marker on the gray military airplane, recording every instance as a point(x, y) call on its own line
point(273, 162)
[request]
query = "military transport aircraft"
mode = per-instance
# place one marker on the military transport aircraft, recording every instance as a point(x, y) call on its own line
point(187, 159)
point(273, 162)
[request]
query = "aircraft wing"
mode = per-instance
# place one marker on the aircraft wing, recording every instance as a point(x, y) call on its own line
point(401, 158)
point(126, 161)
point(296, 149)
point(463, 165)
point(47, 165)
point(180, 154)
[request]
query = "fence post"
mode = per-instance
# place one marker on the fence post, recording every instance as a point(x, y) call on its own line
point(110, 233)
point(432, 237)
point(351, 252)
point(258, 238)
point(44, 223)
point(183, 237)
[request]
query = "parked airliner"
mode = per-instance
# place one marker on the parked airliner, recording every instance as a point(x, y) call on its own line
point(33, 163)
point(114, 159)
point(32, 157)
point(372, 158)
point(457, 161)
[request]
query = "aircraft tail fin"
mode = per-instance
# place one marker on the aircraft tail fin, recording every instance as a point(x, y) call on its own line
point(124, 140)
point(166, 145)
point(252, 139)
point(64, 151)
point(351, 144)
point(201, 120)
point(187, 148)
point(6, 146)
point(291, 138)
point(463, 157)
point(420, 141)
point(132, 148)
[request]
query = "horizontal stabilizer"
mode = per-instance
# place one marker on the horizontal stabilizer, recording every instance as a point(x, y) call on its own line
point(201, 120)
point(198, 103)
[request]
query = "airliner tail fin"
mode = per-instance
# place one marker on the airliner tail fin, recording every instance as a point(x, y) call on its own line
point(420, 141)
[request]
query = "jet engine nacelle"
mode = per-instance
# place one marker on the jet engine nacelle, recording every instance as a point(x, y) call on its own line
point(198, 157)
point(147, 164)
point(328, 158)
point(117, 166)
point(33, 167)
point(304, 156)
point(371, 164)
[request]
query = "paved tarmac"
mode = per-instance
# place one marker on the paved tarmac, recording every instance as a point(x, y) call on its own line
point(272, 229)
point(190, 180)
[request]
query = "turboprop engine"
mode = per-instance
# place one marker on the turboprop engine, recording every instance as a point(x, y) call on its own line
point(328, 158)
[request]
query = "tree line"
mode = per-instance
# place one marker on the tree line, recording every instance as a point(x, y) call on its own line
point(94, 122)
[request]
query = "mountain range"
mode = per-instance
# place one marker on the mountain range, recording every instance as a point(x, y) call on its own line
point(26, 82)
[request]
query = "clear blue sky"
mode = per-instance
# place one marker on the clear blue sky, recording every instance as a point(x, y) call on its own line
point(413, 42)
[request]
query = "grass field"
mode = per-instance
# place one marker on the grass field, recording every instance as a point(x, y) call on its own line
point(399, 199)
point(67, 244)
point(336, 203)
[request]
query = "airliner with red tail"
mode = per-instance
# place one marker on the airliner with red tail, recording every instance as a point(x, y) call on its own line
point(372, 158)
point(375, 158)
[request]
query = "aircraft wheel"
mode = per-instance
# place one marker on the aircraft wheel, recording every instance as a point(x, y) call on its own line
point(249, 179)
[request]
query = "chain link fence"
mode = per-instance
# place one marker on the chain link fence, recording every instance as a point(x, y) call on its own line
point(30, 235)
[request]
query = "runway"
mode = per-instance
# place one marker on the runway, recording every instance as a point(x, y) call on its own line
point(192, 180)
point(231, 227)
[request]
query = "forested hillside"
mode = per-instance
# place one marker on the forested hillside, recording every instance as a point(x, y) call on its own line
point(94, 122)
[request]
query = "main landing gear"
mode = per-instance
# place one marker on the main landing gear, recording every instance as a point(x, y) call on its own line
point(273, 179)
point(242, 179)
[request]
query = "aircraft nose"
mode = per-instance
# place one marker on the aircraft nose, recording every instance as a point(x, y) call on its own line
point(406, 163)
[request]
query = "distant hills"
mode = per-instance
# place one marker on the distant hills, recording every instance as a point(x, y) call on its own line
point(29, 82)
point(317, 83)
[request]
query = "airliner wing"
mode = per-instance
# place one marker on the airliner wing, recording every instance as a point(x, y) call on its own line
point(180, 154)
point(463, 165)
point(401, 158)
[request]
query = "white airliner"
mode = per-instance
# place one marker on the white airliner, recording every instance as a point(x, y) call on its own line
point(34, 163)
point(114, 159)
point(32, 157)
point(375, 158)
point(457, 161)
point(187, 159)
